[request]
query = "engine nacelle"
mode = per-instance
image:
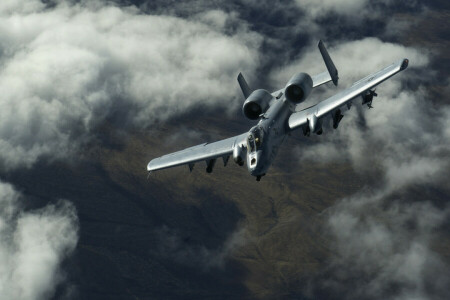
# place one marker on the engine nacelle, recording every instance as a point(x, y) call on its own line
point(256, 104)
point(298, 88)
point(238, 155)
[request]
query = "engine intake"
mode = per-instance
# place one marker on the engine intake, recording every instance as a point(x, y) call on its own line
point(256, 104)
point(298, 88)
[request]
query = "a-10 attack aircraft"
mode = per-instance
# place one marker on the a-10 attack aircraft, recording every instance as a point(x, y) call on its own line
point(277, 117)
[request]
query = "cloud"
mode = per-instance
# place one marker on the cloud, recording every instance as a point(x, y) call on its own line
point(320, 8)
point(26, 6)
point(171, 245)
point(33, 245)
point(353, 11)
point(353, 59)
point(383, 249)
point(67, 68)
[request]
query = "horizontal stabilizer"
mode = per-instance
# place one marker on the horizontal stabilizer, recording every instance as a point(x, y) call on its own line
point(244, 86)
point(321, 78)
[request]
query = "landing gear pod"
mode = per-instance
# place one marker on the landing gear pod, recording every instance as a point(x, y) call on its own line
point(238, 155)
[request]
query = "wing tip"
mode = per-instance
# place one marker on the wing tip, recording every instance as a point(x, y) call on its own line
point(149, 167)
point(405, 63)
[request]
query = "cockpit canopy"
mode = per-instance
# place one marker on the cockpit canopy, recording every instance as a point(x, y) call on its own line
point(254, 139)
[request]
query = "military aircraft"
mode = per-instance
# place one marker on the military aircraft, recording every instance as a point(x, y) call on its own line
point(278, 116)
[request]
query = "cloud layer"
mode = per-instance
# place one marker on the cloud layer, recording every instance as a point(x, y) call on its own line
point(33, 245)
point(172, 246)
point(320, 8)
point(384, 249)
point(68, 68)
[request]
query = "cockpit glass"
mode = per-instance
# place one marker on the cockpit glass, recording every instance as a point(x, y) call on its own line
point(251, 143)
point(254, 140)
point(258, 137)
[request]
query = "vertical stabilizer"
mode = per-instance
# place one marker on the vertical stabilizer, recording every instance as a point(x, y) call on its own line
point(329, 63)
point(244, 86)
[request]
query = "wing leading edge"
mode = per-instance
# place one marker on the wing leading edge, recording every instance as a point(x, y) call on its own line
point(328, 106)
point(204, 152)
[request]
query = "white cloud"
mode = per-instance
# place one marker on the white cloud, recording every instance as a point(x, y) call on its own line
point(385, 250)
point(171, 245)
point(355, 11)
point(24, 6)
point(318, 8)
point(353, 59)
point(328, 19)
point(32, 246)
point(67, 68)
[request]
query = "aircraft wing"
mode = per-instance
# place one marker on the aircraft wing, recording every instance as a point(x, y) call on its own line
point(311, 115)
point(205, 152)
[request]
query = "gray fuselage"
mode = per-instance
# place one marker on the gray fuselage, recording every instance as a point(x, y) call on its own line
point(266, 137)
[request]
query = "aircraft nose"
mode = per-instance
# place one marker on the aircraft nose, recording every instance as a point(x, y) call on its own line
point(254, 163)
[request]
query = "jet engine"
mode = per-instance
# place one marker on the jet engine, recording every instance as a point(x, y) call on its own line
point(256, 104)
point(298, 88)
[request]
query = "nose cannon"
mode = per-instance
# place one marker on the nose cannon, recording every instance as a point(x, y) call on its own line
point(255, 164)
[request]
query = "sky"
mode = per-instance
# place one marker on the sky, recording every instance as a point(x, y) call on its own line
point(69, 67)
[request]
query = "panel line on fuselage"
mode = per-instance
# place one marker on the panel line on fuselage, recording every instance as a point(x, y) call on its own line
point(271, 130)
